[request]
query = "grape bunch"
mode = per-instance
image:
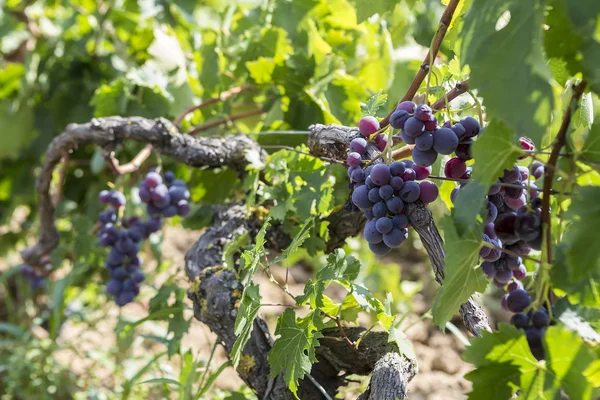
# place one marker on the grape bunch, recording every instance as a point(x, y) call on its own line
point(381, 191)
point(533, 322)
point(418, 126)
point(36, 278)
point(124, 238)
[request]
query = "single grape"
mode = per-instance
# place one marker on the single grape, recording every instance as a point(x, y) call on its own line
point(428, 191)
point(520, 273)
point(431, 125)
point(369, 182)
point(394, 238)
point(118, 273)
point(395, 205)
point(408, 163)
point(484, 251)
point(455, 168)
point(424, 142)
point(153, 225)
point(360, 197)
point(396, 183)
point(524, 173)
point(384, 225)
point(471, 126)
point(511, 175)
point(380, 249)
point(358, 145)
point(409, 175)
point(104, 197)
point(386, 192)
point(459, 130)
point(534, 338)
point(492, 213)
point(413, 127)
point(488, 269)
point(423, 113)
point(520, 320)
point(379, 209)
point(528, 227)
point(445, 141)
point(178, 193)
point(397, 168)
point(137, 276)
point(407, 106)
point(170, 211)
point(514, 285)
point(381, 141)
point(464, 150)
point(354, 159)
point(368, 125)
point(117, 199)
point(169, 177)
point(350, 171)
point(400, 221)
point(113, 287)
point(513, 192)
point(358, 175)
point(153, 179)
point(540, 318)
point(115, 257)
point(398, 118)
point(488, 229)
point(179, 182)
point(107, 216)
point(493, 255)
point(380, 174)
point(538, 172)
point(374, 196)
point(370, 232)
point(503, 276)
point(405, 138)
point(515, 204)
point(422, 172)
point(410, 192)
point(527, 145)
point(424, 158)
point(125, 298)
point(518, 300)
point(497, 199)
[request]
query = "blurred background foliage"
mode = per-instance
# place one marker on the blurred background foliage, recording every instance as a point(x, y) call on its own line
point(300, 62)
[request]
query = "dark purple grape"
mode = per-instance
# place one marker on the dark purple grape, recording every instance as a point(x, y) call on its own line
point(445, 141)
point(511, 175)
point(369, 213)
point(410, 192)
point(405, 138)
point(380, 174)
point(454, 193)
point(540, 318)
point(178, 193)
point(424, 142)
point(536, 244)
point(380, 249)
point(354, 159)
point(423, 113)
point(460, 131)
point(358, 175)
point(398, 118)
point(117, 199)
point(424, 158)
point(396, 183)
point(538, 172)
point(488, 229)
point(516, 204)
point(497, 199)
point(374, 196)
point(144, 194)
point(368, 125)
point(518, 300)
point(428, 191)
point(118, 273)
point(484, 251)
point(471, 126)
point(369, 182)
point(169, 177)
point(488, 269)
point(115, 257)
point(534, 338)
point(492, 213)
point(514, 285)
point(422, 172)
point(528, 227)
point(431, 125)
point(512, 262)
point(137, 276)
point(395, 205)
point(503, 276)
point(455, 168)
point(413, 127)
point(125, 298)
point(179, 182)
point(358, 145)
point(513, 192)
point(520, 320)
point(153, 179)
point(360, 197)
point(370, 232)
point(350, 171)
point(400, 221)
point(464, 151)
point(170, 211)
point(104, 197)
point(384, 225)
point(493, 255)
point(153, 225)
point(505, 226)
point(397, 168)
point(113, 287)
point(394, 238)
point(407, 106)
point(409, 175)
point(386, 192)
point(494, 189)
point(379, 209)
point(520, 273)
point(408, 163)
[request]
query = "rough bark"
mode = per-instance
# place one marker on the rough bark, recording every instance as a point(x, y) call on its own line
point(333, 141)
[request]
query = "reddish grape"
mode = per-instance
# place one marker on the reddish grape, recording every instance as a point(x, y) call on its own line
point(455, 168)
point(368, 125)
point(428, 191)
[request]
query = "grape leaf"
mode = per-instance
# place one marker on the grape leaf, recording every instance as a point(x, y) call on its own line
point(367, 8)
point(251, 258)
point(519, 93)
point(494, 381)
point(294, 349)
point(373, 104)
point(583, 320)
point(301, 236)
point(244, 321)
point(585, 290)
point(368, 302)
point(463, 278)
point(494, 151)
point(591, 146)
point(468, 204)
point(16, 123)
point(340, 267)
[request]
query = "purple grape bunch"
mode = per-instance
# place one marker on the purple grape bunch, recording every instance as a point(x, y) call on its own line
point(124, 238)
point(35, 277)
point(418, 126)
point(382, 190)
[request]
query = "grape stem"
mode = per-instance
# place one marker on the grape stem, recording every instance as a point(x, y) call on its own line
point(512, 185)
point(436, 43)
point(143, 154)
point(510, 252)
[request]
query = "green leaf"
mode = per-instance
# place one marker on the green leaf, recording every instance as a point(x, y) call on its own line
point(583, 320)
point(367, 8)
point(519, 93)
point(297, 241)
point(583, 254)
point(469, 203)
point(111, 99)
point(494, 382)
point(244, 321)
point(494, 151)
point(368, 302)
point(340, 268)
point(591, 146)
point(16, 123)
point(293, 352)
point(376, 101)
point(261, 70)
point(233, 247)
point(251, 258)
point(463, 278)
